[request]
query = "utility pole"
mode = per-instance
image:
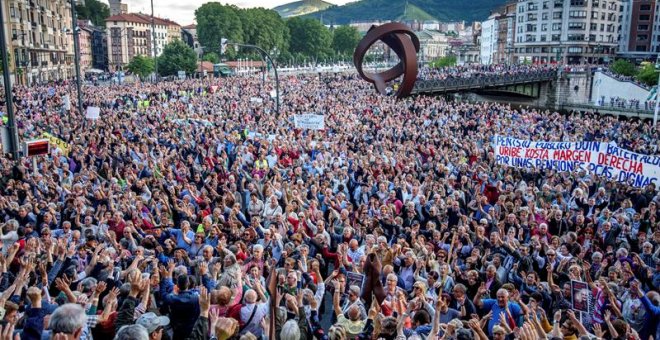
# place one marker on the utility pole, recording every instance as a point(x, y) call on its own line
point(11, 119)
point(153, 35)
point(76, 53)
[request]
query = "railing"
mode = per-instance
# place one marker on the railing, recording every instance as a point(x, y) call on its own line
point(461, 84)
point(607, 109)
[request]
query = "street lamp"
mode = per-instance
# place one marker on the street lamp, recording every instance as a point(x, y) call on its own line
point(264, 56)
point(657, 102)
point(76, 53)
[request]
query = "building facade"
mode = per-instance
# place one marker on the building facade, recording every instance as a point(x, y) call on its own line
point(432, 45)
point(489, 36)
point(130, 34)
point(85, 40)
point(39, 40)
point(99, 49)
point(566, 31)
point(638, 38)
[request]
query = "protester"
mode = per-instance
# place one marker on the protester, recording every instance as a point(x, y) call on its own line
point(193, 210)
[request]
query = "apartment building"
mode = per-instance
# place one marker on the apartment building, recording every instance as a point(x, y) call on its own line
point(39, 38)
point(130, 34)
point(567, 31)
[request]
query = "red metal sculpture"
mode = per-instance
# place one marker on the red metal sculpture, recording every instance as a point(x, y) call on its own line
point(403, 41)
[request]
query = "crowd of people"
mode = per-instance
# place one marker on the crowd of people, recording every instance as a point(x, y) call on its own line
point(194, 210)
point(479, 70)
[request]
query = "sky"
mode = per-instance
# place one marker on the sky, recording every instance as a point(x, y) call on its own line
point(183, 11)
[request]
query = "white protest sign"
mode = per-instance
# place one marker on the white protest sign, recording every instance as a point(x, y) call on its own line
point(67, 102)
point(599, 158)
point(309, 121)
point(256, 100)
point(93, 112)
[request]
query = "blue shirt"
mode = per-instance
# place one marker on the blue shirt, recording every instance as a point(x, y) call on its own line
point(180, 243)
point(491, 305)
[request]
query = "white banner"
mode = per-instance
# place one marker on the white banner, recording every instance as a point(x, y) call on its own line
point(67, 102)
point(93, 112)
point(309, 121)
point(599, 158)
point(256, 100)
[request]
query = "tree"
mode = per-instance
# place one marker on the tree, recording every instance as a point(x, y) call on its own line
point(648, 75)
point(308, 37)
point(623, 67)
point(177, 56)
point(211, 57)
point(345, 39)
point(141, 65)
point(216, 21)
point(447, 61)
point(264, 28)
point(93, 10)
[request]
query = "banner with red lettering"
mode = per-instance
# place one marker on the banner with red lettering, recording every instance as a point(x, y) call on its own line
point(598, 158)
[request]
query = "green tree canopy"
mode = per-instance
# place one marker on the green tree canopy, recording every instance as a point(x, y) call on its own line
point(216, 21)
point(345, 39)
point(648, 75)
point(309, 37)
point(211, 57)
point(93, 10)
point(264, 28)
point(444, 61)
point(623, 67)
point(177, 56)
point(141, 65)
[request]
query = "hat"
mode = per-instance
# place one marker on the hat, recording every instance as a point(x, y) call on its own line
point(151, 321)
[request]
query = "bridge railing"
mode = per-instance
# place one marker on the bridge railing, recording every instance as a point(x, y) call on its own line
point(458, 84)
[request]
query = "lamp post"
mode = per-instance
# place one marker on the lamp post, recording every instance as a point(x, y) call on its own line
point(153, 34)
point(76, 53)
point(11, 119)
point(264, 56)
point(657, 103)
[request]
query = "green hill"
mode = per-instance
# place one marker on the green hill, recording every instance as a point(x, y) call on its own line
point(302, 7)
point(443, 10)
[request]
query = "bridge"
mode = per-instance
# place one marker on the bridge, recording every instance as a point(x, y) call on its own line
point(526, 84)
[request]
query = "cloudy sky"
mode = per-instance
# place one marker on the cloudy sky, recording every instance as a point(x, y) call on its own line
point(183, 11)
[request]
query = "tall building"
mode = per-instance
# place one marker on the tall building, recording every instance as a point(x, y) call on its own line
point(130, 34)
point(566, 31)
point(497, 35)
point(99, 48)
point(39, 39)
point(639, 29)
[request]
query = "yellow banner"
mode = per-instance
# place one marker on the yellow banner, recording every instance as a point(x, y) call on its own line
point(64, 146)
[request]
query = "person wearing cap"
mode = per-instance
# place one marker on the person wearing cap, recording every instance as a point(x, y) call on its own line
point(154, 324)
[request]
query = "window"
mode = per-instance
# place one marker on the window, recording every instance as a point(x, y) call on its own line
point(645, 7)
point(12, 11)
point(642, 37)
point(576, 25)
point(556, 15)
point(556, 37)
point(575, 37)
point(531, 17)
point(642, 27)
point(545, 5)
point(544, 27)
point(577, 14)
point(556, 26)
point(640, 48)
point(543, 38)
point(593, 26)
point(644, 17)
point(575, 50)
point(594, 15)
point(544, 16)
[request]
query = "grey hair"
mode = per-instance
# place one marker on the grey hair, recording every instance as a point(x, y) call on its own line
point(88, 283)
point(67, 318)
point(290, 331)
point(13, 224)
point(257, 247)
point(132, 332)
